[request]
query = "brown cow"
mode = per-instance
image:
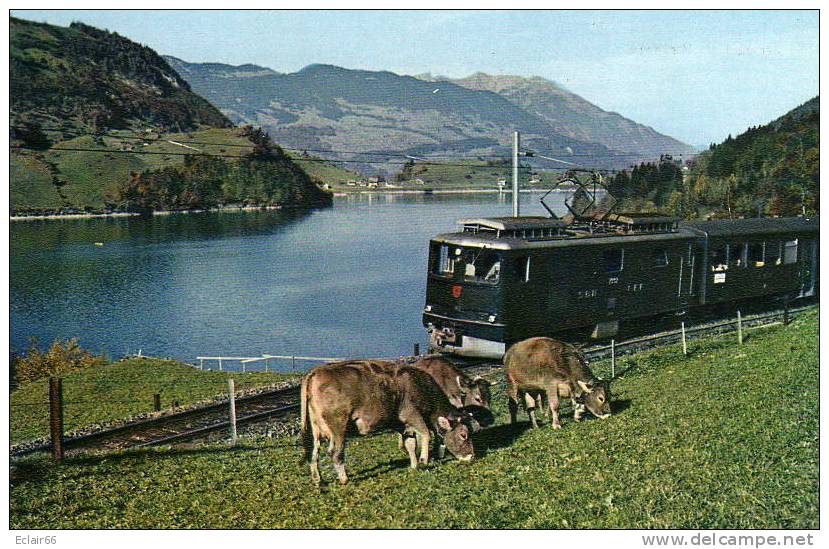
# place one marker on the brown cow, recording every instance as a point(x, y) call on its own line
point(541, 365)
point(373, 394)
point(461, 389)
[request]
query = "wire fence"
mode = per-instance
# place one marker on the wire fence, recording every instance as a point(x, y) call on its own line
point(84, 402)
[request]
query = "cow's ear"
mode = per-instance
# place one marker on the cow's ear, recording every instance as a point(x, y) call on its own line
point(587, 388)
point(444, 424)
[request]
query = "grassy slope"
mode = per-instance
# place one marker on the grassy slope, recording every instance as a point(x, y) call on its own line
point(91, 175)
point(120, 390)
point(334, 173)
point(438, 175)
point(725, 438)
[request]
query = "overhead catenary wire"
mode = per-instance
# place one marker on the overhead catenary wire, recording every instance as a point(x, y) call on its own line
point(241, 156)
point(138, 137)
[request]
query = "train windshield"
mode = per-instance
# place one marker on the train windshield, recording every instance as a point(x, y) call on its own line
point(476, 264)
point(482, 265)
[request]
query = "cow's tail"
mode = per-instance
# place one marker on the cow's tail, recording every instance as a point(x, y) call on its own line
point(305, 420)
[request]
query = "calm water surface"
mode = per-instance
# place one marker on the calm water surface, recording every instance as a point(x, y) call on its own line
point(347, 281)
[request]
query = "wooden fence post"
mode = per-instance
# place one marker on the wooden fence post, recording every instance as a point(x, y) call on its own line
point(56, 417)
point(786, 311)
point(232, 400)
point(157, 402)
point(739, 328)
point(684, 342)
point(612, 359)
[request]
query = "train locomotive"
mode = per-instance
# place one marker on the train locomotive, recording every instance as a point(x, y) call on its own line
point(500, 280)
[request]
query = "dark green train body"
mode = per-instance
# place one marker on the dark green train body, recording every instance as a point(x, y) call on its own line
point(502, 280)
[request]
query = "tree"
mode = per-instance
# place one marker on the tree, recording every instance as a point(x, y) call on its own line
point(62, 358)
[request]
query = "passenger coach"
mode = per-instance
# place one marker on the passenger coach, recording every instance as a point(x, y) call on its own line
point(501, 280)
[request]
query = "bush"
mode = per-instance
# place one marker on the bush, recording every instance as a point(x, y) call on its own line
point(63, 357)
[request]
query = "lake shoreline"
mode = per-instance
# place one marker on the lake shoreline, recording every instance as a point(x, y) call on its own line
point(235, 209)
point(49, 217)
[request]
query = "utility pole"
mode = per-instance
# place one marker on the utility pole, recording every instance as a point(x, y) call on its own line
point(515, 203)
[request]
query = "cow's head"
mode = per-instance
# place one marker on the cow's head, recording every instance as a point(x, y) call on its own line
point(595, 396)
point(474, 392)
point(457, 427)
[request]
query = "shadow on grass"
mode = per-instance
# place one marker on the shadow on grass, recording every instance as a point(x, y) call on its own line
point(27, 471)
point(619, 406)
point(34, 470)
point(380, 469)
point(499, 436)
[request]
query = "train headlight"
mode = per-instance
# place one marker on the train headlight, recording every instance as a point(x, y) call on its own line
point(492, 318)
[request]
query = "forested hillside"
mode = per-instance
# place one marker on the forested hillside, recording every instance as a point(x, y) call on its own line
point(100, 123)
point(770, 170)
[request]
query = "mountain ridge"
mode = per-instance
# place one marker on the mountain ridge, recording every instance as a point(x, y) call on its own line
point(572, 115)
point(329, 108)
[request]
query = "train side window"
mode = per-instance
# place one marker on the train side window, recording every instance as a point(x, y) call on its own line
point(790, 252)
point(660, 257)
point(444, 264)
point(521, 268)
point(757, 254)
point(719, 257)
point(614, 260)
point(773, 252)
point(742, 257)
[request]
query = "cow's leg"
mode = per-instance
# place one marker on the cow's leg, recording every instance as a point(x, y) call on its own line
point(410, 442)
point(425, 442)
point(338, 457)
point(512, 394)
point(578, 409)
point(315, 459)
point(317, 424)
point(337, 425)
point(552, 399)
point(529, 404)
point(419, 427)
point(539, 404)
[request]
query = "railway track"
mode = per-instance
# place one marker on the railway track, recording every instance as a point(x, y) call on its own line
point(201, 423)
point(174, 428)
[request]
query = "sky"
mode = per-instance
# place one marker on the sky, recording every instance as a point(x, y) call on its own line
point(695, 75)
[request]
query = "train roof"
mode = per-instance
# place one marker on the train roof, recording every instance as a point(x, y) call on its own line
point(512, 223)
point(490, 240)
point(509, 233)
point(757, 225)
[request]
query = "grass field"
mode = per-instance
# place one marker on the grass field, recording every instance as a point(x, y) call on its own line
point(91, 177)
point(726, 438)
point(120, 390)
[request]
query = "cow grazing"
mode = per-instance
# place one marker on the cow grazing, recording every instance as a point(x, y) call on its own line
point(541, 365)
point(373, 394)
point(461, 389)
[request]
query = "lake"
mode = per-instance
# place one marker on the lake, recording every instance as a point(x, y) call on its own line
point(347, 281)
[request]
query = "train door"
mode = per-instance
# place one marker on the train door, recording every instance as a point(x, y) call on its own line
point(687, 277)
point(809, 266)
